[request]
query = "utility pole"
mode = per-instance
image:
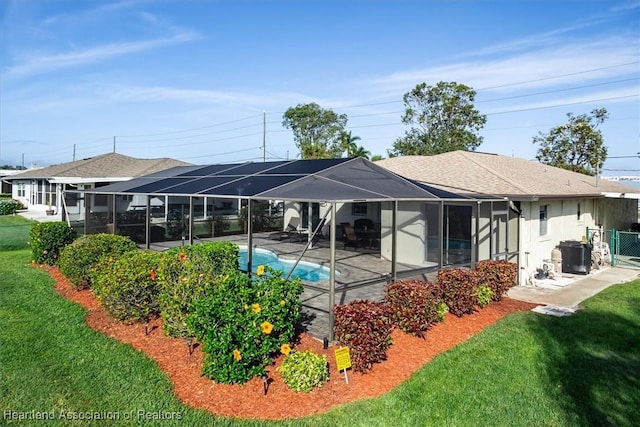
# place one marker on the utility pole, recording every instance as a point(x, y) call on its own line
point(114, 144)
point(264, 137)
point(74, 152)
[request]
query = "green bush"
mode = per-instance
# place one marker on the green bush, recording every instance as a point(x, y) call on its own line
point(499, 275)
point(127, 287)
point(47, 239)
point(77, 259)
point(365, 327)
point(483, 295)
point(458, 290)
point(9, 206)
point(242, 325)
point(303, 370)
point(414, 305)
point(188, 273)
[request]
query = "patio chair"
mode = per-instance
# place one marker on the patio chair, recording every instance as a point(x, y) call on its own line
point(350, 237)
point(319, 234)
point(290, 232)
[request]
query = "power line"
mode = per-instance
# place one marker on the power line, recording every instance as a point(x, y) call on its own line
point(559, 77)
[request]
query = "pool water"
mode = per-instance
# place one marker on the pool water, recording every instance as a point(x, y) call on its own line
point(306, 271)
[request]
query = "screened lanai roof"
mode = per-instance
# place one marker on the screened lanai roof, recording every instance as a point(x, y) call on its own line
point(332, 180)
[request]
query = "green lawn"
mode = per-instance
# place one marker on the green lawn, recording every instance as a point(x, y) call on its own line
point(528, 369)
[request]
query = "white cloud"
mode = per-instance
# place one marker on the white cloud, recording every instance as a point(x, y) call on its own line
point(42, 64)
point(535, 67)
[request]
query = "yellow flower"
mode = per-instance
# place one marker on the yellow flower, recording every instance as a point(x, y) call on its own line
point(246, 307)
point(237, 355)
point(266, 327)
point(260, 270)
point(255, 308)
point(285, 349)
point(282, 302)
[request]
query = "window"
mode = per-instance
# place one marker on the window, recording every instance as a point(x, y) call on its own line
point(578, 211)
point(359, 209)
point(544, 216)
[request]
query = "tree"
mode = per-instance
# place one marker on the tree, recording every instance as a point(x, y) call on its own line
point(443, 119)
point(348, 143)
point(376, 157)
point(316, 131)
point(577, 145)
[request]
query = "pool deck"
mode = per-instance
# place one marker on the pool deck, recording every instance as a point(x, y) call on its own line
point(363, 275)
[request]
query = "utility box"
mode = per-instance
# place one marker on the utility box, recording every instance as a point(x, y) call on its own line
point(576, 257)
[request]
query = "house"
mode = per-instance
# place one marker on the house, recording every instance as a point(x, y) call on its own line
point(391, 209)
point(41, 189)
point(543, 206)
point(5, 185)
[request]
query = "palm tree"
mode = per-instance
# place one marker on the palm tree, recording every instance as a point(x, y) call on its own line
point(348, 142)
point(358, 151)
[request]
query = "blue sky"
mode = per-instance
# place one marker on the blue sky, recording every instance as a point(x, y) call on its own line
point(206, 81)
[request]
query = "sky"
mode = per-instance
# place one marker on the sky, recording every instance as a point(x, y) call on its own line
point(209, 81)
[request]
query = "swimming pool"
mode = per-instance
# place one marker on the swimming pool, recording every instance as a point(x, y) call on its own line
point(306, 271)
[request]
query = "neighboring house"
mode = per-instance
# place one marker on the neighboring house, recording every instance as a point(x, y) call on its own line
point(42, 189)
point(550, 205)
point(5, 185)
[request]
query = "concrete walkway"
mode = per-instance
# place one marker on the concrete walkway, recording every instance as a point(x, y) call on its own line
point(573, 293)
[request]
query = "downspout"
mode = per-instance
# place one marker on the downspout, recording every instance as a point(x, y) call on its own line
point(522, 260)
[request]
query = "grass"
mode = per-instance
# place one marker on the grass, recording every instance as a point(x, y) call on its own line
point(528, 369)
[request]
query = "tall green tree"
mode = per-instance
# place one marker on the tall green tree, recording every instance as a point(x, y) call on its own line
point(443, 118)
point(316, 131)
point(349, 146)
point(577, 145)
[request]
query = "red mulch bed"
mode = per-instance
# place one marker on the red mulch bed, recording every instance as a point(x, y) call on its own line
point(406, 355)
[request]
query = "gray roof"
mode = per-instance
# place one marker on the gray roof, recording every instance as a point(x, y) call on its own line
point(466, 172)
point(331, 180)
point(111, 165)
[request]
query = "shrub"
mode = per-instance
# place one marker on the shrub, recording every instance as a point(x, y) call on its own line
point(303, 370)
point(77, 259)
point(483, 295)
point(188, 273)
point(9, 206)
point(243, 325)
point(127, 287)
point(414, 305)
point(441, 310)
point(458, 290)
point(499, 275)
point(47, 239)
point(365, 327)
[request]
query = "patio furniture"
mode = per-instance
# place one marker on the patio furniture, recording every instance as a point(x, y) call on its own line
point(366, 231)
point(350, 237)
point(291, 232)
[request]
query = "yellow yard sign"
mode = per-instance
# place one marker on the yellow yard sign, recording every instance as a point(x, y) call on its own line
point(343, 360)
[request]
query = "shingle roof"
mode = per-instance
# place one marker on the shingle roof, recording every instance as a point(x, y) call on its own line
point(109, 165)
point(467, 172)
